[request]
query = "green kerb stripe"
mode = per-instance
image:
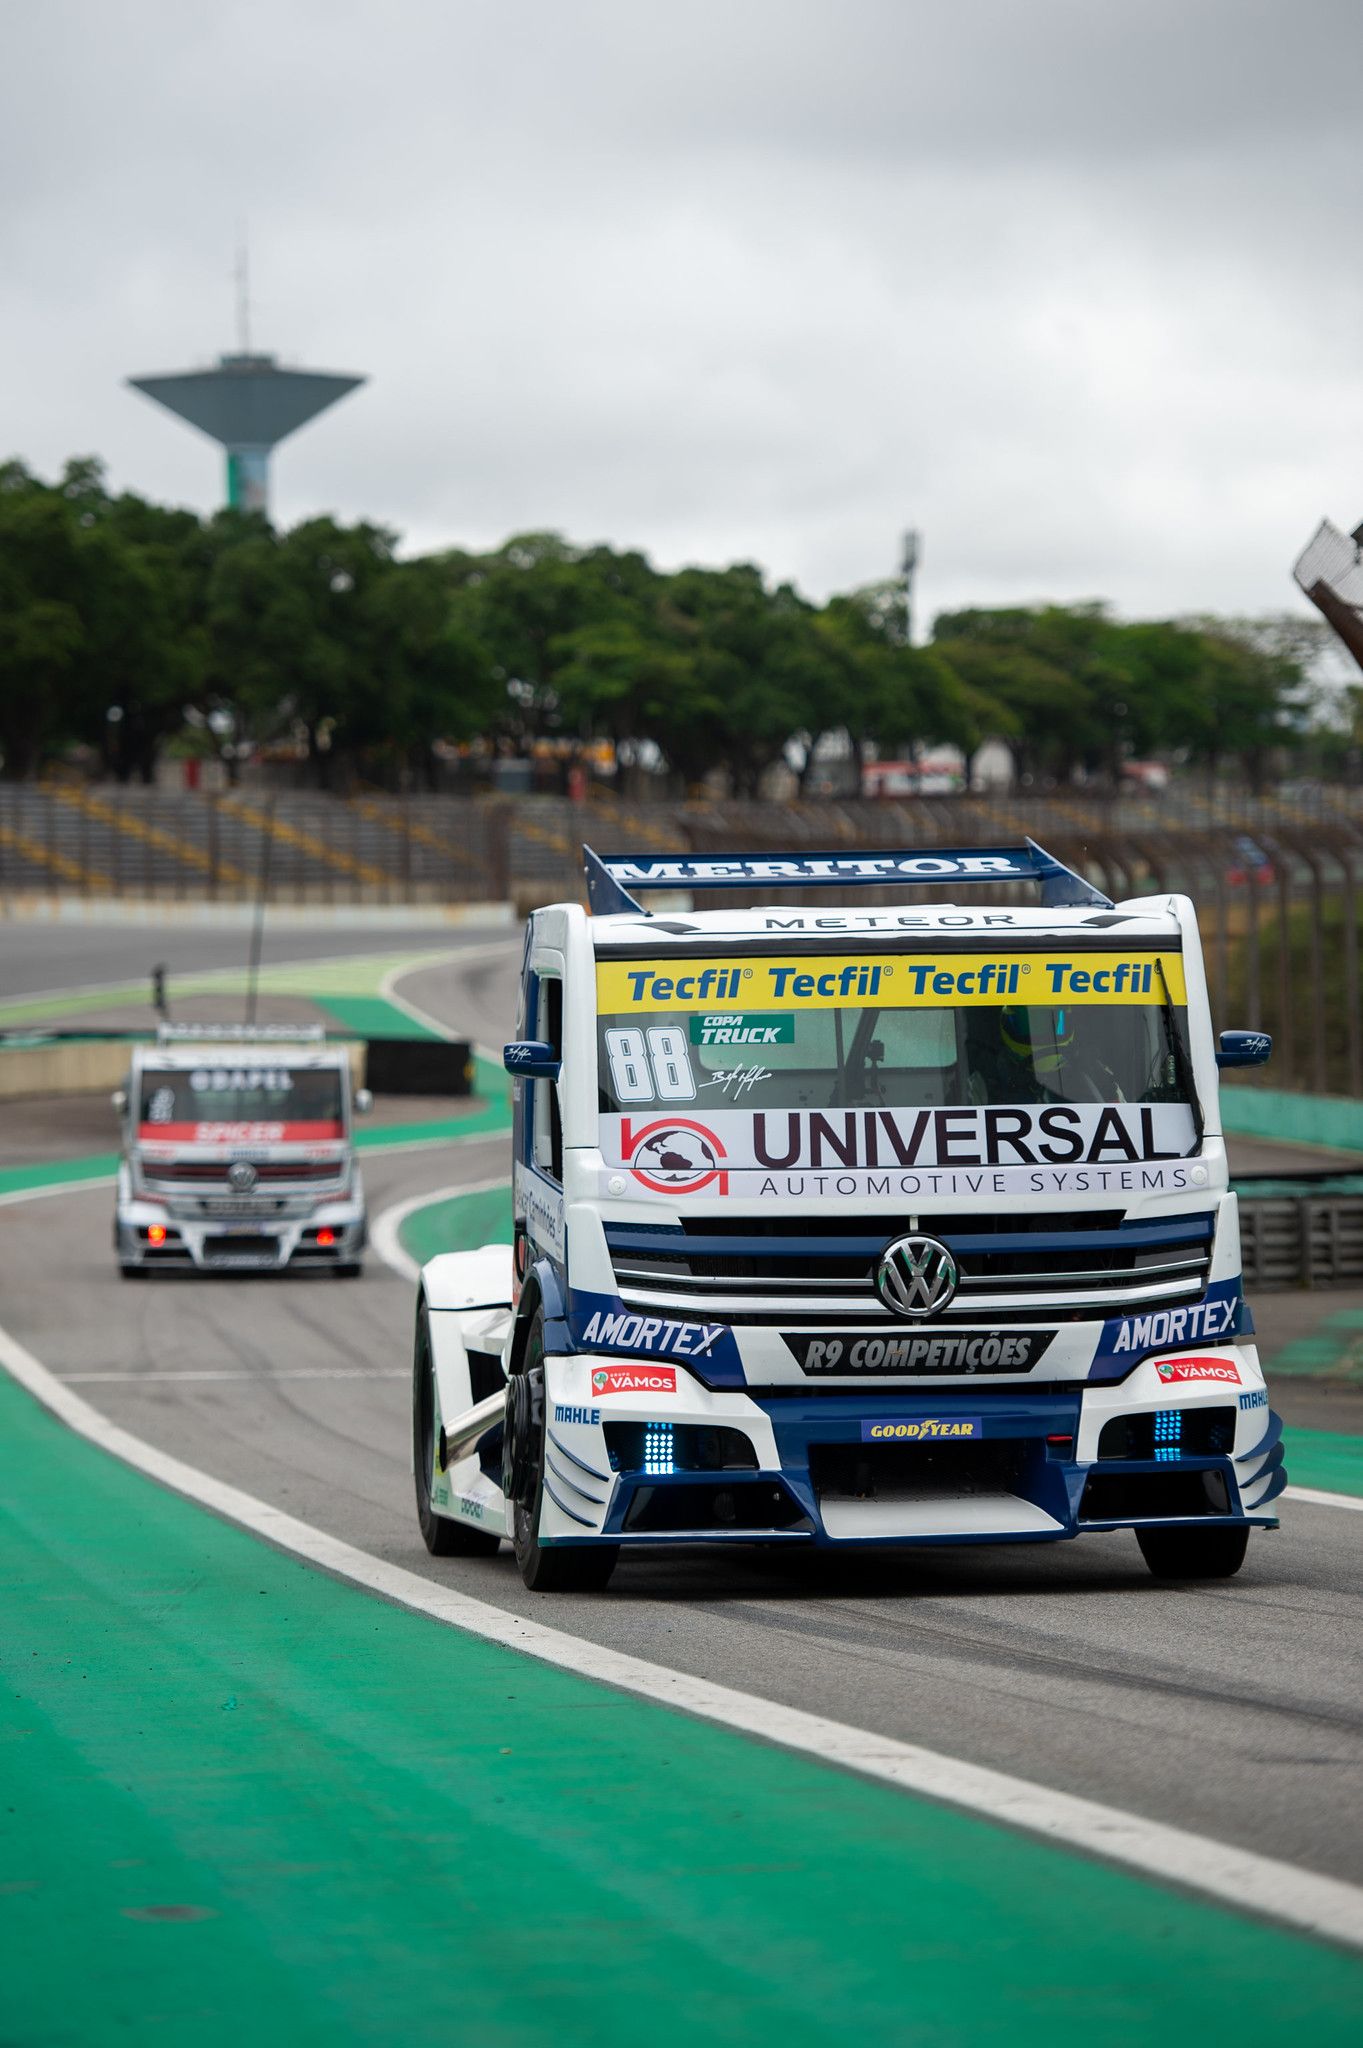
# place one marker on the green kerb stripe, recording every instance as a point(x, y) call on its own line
point(1320, 1458)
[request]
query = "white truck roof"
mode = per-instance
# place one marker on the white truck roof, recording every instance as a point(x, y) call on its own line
point(186, 1047)
point(1149, 916)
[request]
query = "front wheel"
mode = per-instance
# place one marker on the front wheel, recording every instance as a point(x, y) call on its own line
point(545, 1567)
point(1193, 1553)
point(442, 1537)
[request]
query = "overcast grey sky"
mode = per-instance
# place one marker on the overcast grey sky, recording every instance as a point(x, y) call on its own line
point(1072, 286)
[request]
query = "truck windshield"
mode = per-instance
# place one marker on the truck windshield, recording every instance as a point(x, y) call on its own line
point(914, 1030)
point(231, 1095)
point(864, 1056)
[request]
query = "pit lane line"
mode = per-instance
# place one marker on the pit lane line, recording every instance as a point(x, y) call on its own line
point(1322, 1906)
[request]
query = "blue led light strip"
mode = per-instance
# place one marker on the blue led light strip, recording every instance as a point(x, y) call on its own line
point(658, 1447)
point(1168, 1435)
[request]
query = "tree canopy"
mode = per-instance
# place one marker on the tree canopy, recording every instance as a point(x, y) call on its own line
point(126, 628)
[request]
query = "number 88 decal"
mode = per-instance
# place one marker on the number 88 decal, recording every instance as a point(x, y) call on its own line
point(650, 1066)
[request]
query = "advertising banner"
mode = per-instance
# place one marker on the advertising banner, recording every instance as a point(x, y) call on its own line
point(890, 980)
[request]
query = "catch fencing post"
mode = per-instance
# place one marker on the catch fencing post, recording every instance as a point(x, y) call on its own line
point(1353, 1022)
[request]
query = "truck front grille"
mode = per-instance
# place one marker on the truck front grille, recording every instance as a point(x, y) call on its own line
point(201, 1173)
point(820, 1271)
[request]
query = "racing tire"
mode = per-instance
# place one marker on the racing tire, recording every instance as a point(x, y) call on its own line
point(551, 1567)
point(1193, 1553)
point(350, 1270)
point(442, 1537)
point(126, 1272)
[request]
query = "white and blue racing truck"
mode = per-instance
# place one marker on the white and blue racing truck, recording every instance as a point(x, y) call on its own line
point(837, 1226)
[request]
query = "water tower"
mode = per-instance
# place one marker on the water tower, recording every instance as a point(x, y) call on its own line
point(248, 404)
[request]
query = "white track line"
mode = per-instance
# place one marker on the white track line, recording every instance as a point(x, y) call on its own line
point(1314, 1498)
point(383, 1231)
point(409, 963)
point(58, 1187)
point(388, 990)
point(1238, 1878)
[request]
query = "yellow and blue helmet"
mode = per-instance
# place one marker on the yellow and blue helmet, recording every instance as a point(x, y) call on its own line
point(1040, 1038)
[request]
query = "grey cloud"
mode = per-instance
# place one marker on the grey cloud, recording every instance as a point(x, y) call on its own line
point(1069, 286)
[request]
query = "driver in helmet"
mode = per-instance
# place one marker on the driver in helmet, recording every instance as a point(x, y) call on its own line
point(1037, 1055)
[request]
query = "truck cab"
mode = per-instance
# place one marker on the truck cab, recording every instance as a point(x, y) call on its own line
point(238, 1154)
point(843, 1227)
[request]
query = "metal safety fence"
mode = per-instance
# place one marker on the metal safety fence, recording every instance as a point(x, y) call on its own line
point(1276, 879)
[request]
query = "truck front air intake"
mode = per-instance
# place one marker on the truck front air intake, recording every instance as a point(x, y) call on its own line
point(821, 1270)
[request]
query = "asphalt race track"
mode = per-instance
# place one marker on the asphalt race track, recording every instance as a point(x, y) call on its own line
point(1231, 1710)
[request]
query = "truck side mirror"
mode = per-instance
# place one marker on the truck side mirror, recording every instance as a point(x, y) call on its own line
point(118, 1101)
point(1243, 1048)
point(531, 1059)
point(364, 1101)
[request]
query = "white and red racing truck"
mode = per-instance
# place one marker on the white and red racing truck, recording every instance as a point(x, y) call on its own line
point(238, 1153)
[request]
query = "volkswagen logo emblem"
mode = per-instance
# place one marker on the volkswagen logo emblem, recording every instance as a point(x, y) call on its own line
point(241, 1175)
point(916, 1276)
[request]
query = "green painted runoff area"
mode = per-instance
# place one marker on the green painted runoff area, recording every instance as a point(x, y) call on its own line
point(93, 1166)
point(1333, 1349)
point(247, 1801)
point(1324, 1459)
point(459, 1224)
point(372, 1017)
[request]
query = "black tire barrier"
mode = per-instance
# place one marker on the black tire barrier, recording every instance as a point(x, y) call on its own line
point(418, 1066)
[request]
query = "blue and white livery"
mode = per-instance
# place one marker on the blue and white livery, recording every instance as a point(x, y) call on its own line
point(836, 1226)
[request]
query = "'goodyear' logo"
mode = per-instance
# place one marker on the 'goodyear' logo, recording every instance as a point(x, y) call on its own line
point(920, 1429)
point(896, 981)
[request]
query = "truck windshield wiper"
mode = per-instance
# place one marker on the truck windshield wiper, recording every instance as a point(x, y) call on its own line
point(1183, 1066)
point(853, 1085)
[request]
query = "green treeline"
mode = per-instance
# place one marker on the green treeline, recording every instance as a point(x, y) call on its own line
point(127, 628)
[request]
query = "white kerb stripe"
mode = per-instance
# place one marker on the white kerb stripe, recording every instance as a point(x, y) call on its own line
point(1238, 1878)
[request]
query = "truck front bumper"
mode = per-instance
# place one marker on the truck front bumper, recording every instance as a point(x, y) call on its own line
point(152, 1236)
point(643, 1453)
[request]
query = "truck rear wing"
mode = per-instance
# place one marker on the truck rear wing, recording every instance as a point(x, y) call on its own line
point(244, 1034)
point(610, 876)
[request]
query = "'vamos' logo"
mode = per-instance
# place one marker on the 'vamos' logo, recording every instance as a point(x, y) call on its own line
point(634, 1379)
point(1173, 1370)
point(674, 1156)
